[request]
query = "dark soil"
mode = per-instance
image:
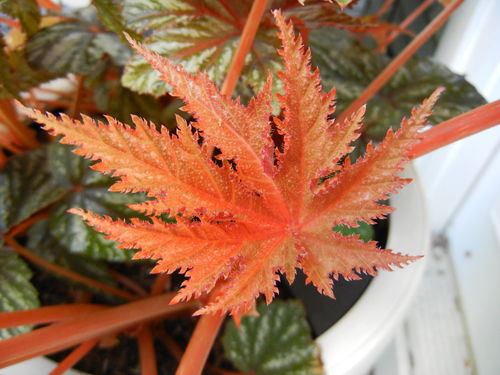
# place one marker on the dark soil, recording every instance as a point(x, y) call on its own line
point(122, 358)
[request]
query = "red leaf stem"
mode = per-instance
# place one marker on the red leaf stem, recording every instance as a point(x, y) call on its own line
point(147, 351)
point(199, 346)
point(406, 22)
point(66, 334)
point(247, 37)
point(47, 314)
point(205, 10)
point(24, 225)
point(74, 357)
point(67, 273)
point(230, 9)
point(400, 59)
point(202, 339)
point(25, 137)
point(384, 8)
point(12, 23)
point(161, 281)
point(457, 128)
point(75, 103)
point(129, 283)
point(48, 4)
point(3, 160)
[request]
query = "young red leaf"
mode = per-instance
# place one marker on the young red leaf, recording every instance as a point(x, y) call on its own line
point(262, 212)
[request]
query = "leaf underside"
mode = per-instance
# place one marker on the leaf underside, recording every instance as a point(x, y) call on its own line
point(264, 209)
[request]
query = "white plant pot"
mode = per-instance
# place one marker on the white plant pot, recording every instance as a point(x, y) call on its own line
point(353, 344)
point(36, 366)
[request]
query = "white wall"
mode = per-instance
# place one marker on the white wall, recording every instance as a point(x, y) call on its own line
point(463, 181)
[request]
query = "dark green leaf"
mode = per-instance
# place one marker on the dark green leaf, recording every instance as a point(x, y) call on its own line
point(74, 47)
point(89, 190)
point(318, 13)
point(365, 231)
point(44, 244)
point(201, 36)
point(350, 67)
point(16, 75)
point(27, 186)
point(16, 291)
point(119, 102)
point(7, 87)
point(26, 11)
point(111, 16)
point(278, 342)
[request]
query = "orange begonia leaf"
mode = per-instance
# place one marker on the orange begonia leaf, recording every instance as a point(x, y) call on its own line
point(269, 208)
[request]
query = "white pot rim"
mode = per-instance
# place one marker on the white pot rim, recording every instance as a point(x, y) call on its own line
point(351, 346)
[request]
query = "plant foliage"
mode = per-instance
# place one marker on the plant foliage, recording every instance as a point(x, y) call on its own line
point(276, 342)
point(16, 291)
point(263, 211)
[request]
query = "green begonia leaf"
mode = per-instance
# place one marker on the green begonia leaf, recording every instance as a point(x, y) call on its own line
point(110, 15)
point(44, 244)
point(351, 67)
point(24, 10)
point(365, 231)
point(201, 36)
point(17, 76)
point(7, 86)
point(16, 291)
point(119, 102)
point(318, 13)
point(89, 190)
point(27, 186)
point(74, 47)
point(276, 343)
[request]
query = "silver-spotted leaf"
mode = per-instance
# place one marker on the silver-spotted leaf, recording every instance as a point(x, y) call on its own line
point(350, 67)
point(89, 190)
point(201, 36)
point(278, 342)
point(27, 186)
point(44, 244)
point(16, 291)
point(74, 46)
